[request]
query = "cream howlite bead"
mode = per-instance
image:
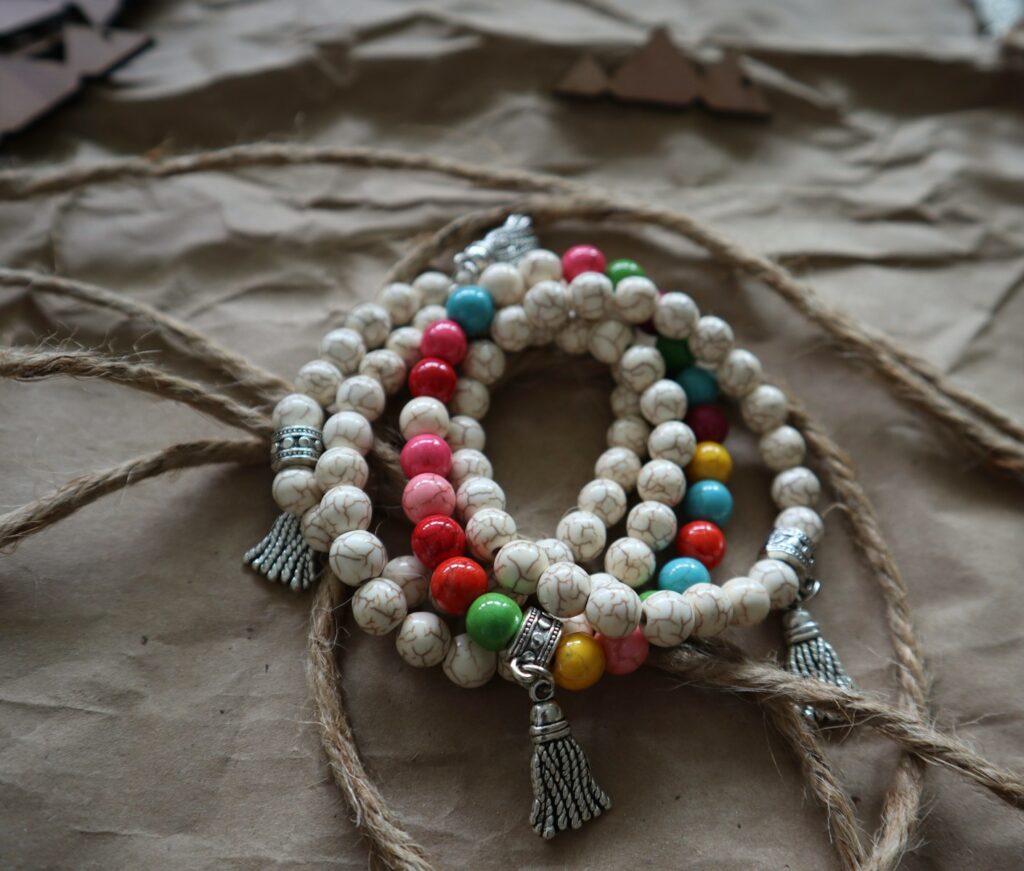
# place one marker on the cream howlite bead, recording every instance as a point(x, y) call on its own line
point(316, 535)
point(807, 520)
point(378, 606)
point(476, 493)
point(605, 498)
point(471, 398)
point(778, 579)
point(602, 579)
point(405, 342)
point(357, 556)
point(341, 465)
point(629, 432)
point(319, 380)
point(748, 600)
point(590, 294)
point(484, 361)
point(584, 533)
point(510, 329)
point(621, 465)
point(297, 409)
point(563, 589)
point(635, 299)
point(578, 624)
point(712, 610)
point(711, 340)
point(782, 448)
point(295, 491)
point(653, 523)
point(541, 337)
point(614, 610)
point(423, 640)
point(428, 315)
point(631, 561)
point(519, 565)
point(465, 432)
point(641, 366)
point(556, 551)
point(433, 287)
point(739, 373)
point(673, 441)
point(488, 530)
point(344, 508)
point(361, 394)
point(615, 370)
point(574, 337)
point(667, 619)
point(423, 414)
point(625, 402)
point(348, 429)
point(386, 367)
point(344, 348)
point(676, 315)
point(469, 463)
point(661, 481)
point(539, 265)
point(371, 321)
point(796, 486)
point(467, 664)
point(663, 401)
point(411, 576)
point(504, 282)
point(764, 408)
point(401, 301)
point(547, 305)
point(609, 340)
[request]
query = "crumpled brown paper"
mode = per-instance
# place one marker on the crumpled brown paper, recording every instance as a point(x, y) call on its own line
point(153, 705)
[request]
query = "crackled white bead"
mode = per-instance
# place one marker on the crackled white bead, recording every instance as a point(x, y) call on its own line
point(469, 463)
point(807, 520)
point(428, 315)
point(379, 606)
point(357, 556)
point(625, 402)
point(602, 579)
point(609, 340)
point(371, 321)
point(764, 408)
point(577, 624)
point(484, 361)
point(539, 265)
point(344, 508)
point(510, 329)
point(319, 380)
point(423, 414)
point(295, 490)
point(361, 394)
point(574, 337)
point(614, 610)
point(316, 535)
point(631, 561)
point(779, 579)
point(661, 481)
point(667, 619)
point(711, 340)
point(541, 337)
point(605, 498)
point(465, 432)
point(297, 409)
point(385, 367)
point(621, 465)
point(635, 299)
point(547, 305)
point(504, 282)
point(749, 602)
point(584, 533)
point(673, 441)
point(676, 315)
point(663, 401)
point(471, 398)
point(796, 486)
point(641, 366)
point(423, 640)
point(433, 287)
point(590, 294)
point(653, 523)
point(344, 348)
point(469, 665)
point(478, 492)
point(341, 465)
point(405, 342)
point(629, 432)
point(782, 448)
point(519, 565)
point(401, 301)
point(348, 429)
point(556, 551)
point(488, 530)
point(739, 373)
point(563, 589)
point(411, 576)
point(712, 609)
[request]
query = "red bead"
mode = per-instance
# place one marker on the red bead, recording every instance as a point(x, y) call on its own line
point(708, 423)
point(582, 258)
point(437, 538)
point(703, 541)
point(426, 453)
point(457, 583)
point(444, 339)
point(432, 376)
point(624, 655)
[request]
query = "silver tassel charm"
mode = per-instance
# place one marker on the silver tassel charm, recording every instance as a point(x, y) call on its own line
point(810, 655)
point(284, 556)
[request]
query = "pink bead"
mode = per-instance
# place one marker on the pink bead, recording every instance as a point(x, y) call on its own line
point(582, 258)
point(427, 494)
point(444, 339)
point(624, 655)
point(426, 453)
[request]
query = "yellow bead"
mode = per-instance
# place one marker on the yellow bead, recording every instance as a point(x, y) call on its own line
point(579, 662)
point(711, 462)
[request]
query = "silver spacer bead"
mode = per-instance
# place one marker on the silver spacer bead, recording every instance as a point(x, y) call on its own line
point(792, 547)
point(296, 446)
point(504, 244)
point(536, 640)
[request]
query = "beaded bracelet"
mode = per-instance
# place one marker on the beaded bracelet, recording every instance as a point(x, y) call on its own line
point(669, 364)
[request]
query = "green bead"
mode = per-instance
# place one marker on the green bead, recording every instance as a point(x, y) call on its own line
point(646, 594)
point(492, 620)
point(619, 269)
point(676, 353)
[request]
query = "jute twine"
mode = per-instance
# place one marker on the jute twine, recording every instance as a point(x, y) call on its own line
point(908, 722)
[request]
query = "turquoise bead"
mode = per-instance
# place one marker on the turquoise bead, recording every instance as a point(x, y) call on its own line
point(623, 268)
point(708, 500)
point(492, 620)
point(676, 353)
point(680, 574)
point(700, 385)
point(472, 308)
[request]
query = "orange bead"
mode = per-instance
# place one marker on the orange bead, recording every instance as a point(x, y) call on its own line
point(711, 462)
point(579, 662)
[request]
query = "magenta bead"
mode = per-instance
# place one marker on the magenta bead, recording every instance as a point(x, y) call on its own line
point(426, 453)
point(582, 258)
point(427, 494)
point(624, 655)
point(444, 339)
point(708, 422)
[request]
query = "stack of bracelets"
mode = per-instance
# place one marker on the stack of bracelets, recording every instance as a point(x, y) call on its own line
point(443, 343)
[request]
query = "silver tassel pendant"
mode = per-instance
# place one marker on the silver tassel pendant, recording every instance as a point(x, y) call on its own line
point(810, 655)
point(284, 556)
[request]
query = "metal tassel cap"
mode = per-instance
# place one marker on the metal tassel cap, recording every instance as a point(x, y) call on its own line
point(792, 547)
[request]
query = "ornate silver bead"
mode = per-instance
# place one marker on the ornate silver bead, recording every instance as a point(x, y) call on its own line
point(536, 640)
point(792, 547)
point(504, 244)
point(295, 446)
